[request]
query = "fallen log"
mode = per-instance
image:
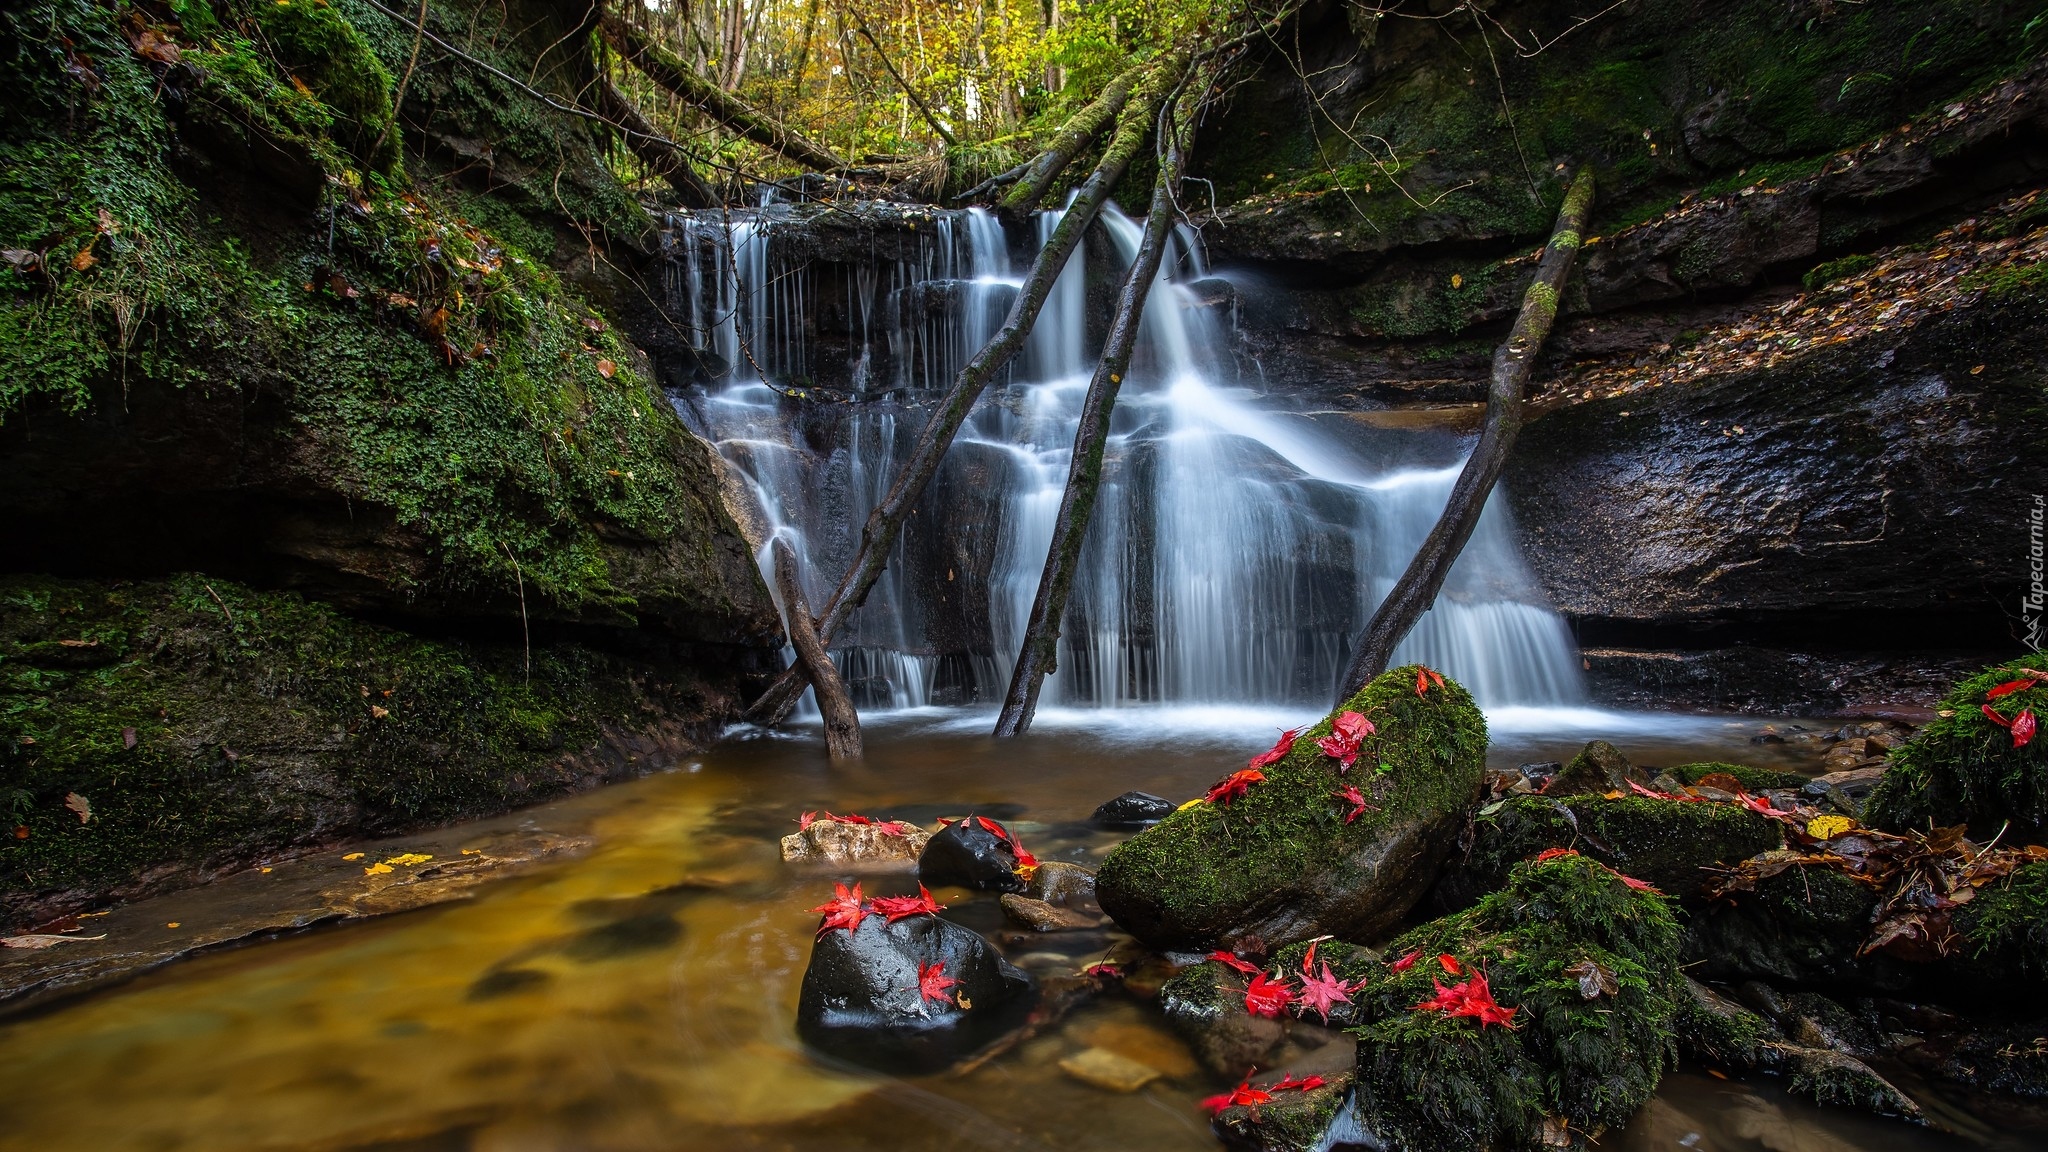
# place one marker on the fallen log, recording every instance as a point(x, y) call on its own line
point(885, 523)
point(730, 111)
point(1512, 364)
point(842, 723)
point(1031, 184)
point(1039, 654)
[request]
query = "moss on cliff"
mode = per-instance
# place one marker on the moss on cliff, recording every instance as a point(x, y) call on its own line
point(1556, 929)
point(206, 724)
point(431, 365)
point(1962, 768)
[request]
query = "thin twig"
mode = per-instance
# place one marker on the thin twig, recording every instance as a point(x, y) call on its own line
point(217, 600)
point(524, 630)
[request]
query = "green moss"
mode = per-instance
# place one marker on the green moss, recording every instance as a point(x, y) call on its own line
point(2010, 281)
point(318, 47)
point(1755, 781)
point(1716, 1030)
point(2011, 916)
point(1429, 1081)
point(260, 721)
point(1961, 768)
point(1663, 842)
point(1824, 274)
point(1207, 867)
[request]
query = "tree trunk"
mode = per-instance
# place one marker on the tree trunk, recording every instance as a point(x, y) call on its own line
point(1039, 654)
point(923, 109)
point(659, 153)
point(1512, 363)
point(734, 114)
point(842, 723)
point(1037, 178)
point(885, 524)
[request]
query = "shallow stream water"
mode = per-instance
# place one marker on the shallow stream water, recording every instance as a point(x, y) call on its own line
point(641, 996)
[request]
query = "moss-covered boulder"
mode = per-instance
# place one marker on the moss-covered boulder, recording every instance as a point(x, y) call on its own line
point(2005, 929)
point(1664, 842)
point(1589, 965)
point(1291, 857)
point(155, 733)
point(1964, 767)
point(1755, 781)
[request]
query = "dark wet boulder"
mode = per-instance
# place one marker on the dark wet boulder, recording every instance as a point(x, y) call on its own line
point(968, 854)
point(1205, 1005)
point(1132, 810)
point(1714, 1030)
point(863, 1000)
point(1964, 767)
point(1289, 856)
point(1804, 927)
point(1589, 967)
point(1667, 843)
point(1599, 768)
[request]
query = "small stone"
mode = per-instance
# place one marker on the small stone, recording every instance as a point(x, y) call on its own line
point(1101, 1068)
point(866, 845)
point(1133, 810)
point(1039, 916)
point(1058, 882)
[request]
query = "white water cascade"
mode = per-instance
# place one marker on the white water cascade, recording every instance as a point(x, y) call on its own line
point(1237, 544)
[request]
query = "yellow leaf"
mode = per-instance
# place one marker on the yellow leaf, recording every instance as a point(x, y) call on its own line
point(376, 869)
point(172, 924)
point(379, 711)
point(1828, 827)
point(353, 856)
point(408, 859)
point(1457, 281)
point(1189, 804)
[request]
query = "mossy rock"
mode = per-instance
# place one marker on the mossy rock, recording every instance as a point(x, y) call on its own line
point(1962, 767)
point(1755, 781)
point(1281, 864)
point(1428, 1081)
point(1804, 926)
point(1204, 1004)
point(2006, 924)
point(1664, 842)
point(213, 725)
point(1312, 1121)
point(1716, 1031)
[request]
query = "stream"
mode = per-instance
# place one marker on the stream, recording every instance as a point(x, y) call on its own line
point(642, 995)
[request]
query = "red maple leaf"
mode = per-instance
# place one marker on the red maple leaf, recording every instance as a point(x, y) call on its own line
point(894, 908)
point(1638, 885)
point(1305, 1084)
point(1235, 785)
point(1322, 993)
point(1025, 860)
point(1549, 854)
point(844, 910)
point(1243, 1094)
point(1231, 961)
point(1405, 962)
point(1471, 998)
point(1266, 996)
point(2012, 686)
point(1424, 677)
point(1104, 971)
point(1356, 799)
point(804, 822)
point(932, 981)
point(2023, 726)
point(1277, 752)
point(1450, 963)
point(1347, 732)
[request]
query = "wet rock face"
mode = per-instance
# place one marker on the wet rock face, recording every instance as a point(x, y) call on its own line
point(968, 855)
point(862, 1001)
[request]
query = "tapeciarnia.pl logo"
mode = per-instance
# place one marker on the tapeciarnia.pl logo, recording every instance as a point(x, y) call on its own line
point(2031, 605)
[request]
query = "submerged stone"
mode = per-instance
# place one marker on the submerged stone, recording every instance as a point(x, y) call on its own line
point(1133, 810)
point(862, 999)
point(968, 855)
point(1282, 862)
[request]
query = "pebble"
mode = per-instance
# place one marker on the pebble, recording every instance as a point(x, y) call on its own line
point(1101, 1068)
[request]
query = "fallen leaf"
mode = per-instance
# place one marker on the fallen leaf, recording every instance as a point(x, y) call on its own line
point(21, 831)
point(79, 805)
point(1828, 827)
point(894, 908)
point(932, 981)
point(1323, 993)
point(377, 870)
point(606, 368)
point(1266, 996)
point(127, 737)
point(172, 924)
point(1405, 962)
point(1234, 786)
point(1277, 752)
point(35, 940)
point(844, 910)
point(408, 859)
point(84, 259)
point(378, 711)
point(21, 259)
point(353, 856)
point(1594, 980)
point(1243, 1095)
point(1234, 963)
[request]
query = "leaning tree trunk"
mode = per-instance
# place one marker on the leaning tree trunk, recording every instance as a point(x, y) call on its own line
point(1035, 179)
point(842, 723)
point(885, 523)
point(659, 153)
point(735, 114)
point(1039, 654)
point(1512, 363)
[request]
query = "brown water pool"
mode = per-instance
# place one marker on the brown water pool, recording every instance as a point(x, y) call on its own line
point(641, 996)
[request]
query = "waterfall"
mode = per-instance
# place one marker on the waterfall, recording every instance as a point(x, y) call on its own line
point(1237, 544)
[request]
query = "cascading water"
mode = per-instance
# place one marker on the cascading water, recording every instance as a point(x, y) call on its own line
point(1236, 546)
